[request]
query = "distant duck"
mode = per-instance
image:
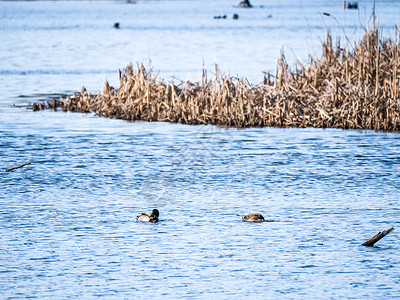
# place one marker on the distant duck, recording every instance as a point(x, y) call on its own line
point(220, 17)
point(253, 218)
point(116, 25)
point(146, 217)
point(351, 5)
point(245, 3)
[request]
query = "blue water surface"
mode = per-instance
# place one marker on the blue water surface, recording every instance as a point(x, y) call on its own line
point(67, 220)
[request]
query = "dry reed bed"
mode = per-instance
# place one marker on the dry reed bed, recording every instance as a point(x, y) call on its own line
point(348, 88)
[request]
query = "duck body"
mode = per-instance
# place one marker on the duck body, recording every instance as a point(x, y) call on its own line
point(146, 217)
point(253, 218)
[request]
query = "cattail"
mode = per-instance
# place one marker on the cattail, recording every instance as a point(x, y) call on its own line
point(345, 88)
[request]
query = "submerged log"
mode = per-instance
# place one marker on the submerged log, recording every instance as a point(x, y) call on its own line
point(377, 237)
point(17, 167)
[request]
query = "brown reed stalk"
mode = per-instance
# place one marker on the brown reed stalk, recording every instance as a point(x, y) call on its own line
point(346, 88)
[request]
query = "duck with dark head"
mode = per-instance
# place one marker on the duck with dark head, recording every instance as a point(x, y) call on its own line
point(146, 217)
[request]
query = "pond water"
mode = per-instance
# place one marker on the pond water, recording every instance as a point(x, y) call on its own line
point(67, 220)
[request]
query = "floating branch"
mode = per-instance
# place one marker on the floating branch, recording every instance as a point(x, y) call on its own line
point(17, 167)
point(377, 237)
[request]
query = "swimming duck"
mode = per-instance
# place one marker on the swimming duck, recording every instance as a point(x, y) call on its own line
point(245, 3)
point(146, 217)
point(253, 218)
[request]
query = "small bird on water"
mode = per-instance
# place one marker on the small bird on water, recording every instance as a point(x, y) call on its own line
point(245, 3)
point(146, 217)
point(253, 218)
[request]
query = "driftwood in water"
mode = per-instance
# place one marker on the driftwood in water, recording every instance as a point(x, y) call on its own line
point(377, 237)
point(17, 167)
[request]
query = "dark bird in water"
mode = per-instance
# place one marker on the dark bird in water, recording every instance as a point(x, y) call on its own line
point(253, 218)
point(146, 217)
point(245, 3)
point(116, 25)
point(351, 5)
point(220, 17)
point(235, 16)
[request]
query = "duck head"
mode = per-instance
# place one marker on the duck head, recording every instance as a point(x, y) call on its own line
point(155, 214)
